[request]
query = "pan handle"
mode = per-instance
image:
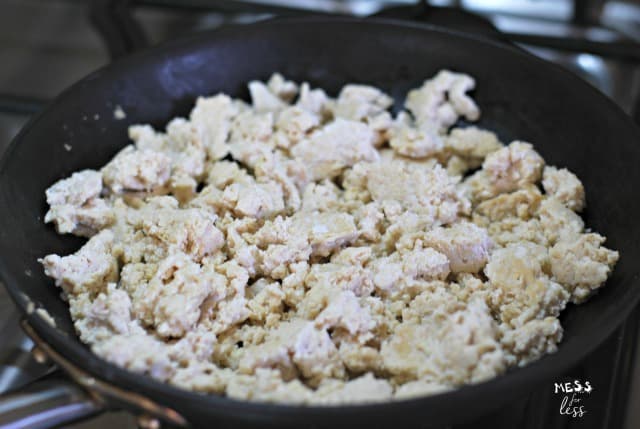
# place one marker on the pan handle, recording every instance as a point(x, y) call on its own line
point(74, 394)
point(46, 403)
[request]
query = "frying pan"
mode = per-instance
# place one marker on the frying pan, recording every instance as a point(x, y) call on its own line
point(571, 124)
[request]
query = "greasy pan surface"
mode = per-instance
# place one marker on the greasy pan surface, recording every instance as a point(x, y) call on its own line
point(569, 122)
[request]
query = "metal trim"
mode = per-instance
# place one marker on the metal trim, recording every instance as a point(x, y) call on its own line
point(100, 390)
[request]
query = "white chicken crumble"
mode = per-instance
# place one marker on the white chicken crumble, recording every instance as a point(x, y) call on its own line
point(316, 250)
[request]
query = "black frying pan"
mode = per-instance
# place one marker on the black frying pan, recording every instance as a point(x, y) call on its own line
point(571, 124)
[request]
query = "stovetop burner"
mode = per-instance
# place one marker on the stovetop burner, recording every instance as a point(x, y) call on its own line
point(447, 17)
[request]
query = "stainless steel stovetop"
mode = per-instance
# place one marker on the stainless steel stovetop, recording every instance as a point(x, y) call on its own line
point(48, 45)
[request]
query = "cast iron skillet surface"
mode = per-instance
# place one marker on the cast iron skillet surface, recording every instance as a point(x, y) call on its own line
point(570, 123)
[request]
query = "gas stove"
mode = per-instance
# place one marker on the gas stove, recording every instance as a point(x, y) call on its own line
point(49, 45)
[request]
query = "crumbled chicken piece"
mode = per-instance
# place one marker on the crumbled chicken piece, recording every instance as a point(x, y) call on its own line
point(359, 358)
point(267, 303)
point(361, 103)
point(513, 230)
point(513, 166)
point(314, 100)
point(300, 237)
point(320, 232)
point(317, 298)
point(439, 102)
point(228, 309)
point(251, 127)
point(344, 311)
point(457, 347)
point(141, 353)
point(391, 273)
point(189, 230)
point(465, 245)
point(523, 289)
point(223, 173)
point(229, 313)
point(558, 221)
point(564, 186)
point(310, 250)
point(137, 170)
point(183, 144)
point(347, 277)
point(342, 143)
point(353, 256)
point(267, 385)
point(417, 388)
point(75, 190)
point(425, 263)
point(247, 255)
point(477, 187)
point(212, 117)
point(415, 142)
point(202, 377)
point(472, 144)
point(457, 166)
point(323, 196)
point(522, 204)
point(315, 355)
point(295, 346)
point(145, 137)
point(169, 297)
point(199, 344)
point(387, 273)
point(183, 288)
point(290, 175)
point(85, 220)
point(107, 315)
point(296, 123)
point(293, 283)
point(75, 205)
point(326, 231)
point(262, 99)
point(186, 148)
point(363, 389)
point(582, 264)
point(284, 89)
point(90, 269)
point(381, 124)
point(532, 340)
point(437, 196)
point(258, 200)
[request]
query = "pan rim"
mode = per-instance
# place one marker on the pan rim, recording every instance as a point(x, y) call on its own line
point(79, 354)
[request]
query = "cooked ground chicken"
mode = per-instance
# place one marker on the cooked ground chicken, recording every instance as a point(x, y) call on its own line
point(309, 249)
